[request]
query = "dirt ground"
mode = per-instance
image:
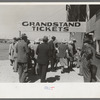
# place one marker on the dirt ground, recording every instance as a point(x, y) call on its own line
point(4, 51)
point(8, 76)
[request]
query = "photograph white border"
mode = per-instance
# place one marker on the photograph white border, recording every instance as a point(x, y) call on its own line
point(44, 90)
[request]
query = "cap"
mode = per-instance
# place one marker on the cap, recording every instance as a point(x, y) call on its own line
point(24, 35)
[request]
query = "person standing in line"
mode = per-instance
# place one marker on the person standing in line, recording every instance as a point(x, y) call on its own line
point(63, 55)
point(52, 53)
point(15, 65)
point(43, 58)
point(71, 56)
point(33, 47)
point(79, 61)
point(22, 58)
point(11, 51)
point(74, 47)
point(88, 63)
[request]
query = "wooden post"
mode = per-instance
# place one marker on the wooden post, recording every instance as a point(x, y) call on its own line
point(19, 33)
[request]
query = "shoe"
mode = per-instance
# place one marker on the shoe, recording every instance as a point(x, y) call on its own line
point(62, 71)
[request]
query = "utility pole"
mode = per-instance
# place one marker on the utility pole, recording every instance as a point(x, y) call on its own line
point(19, 33)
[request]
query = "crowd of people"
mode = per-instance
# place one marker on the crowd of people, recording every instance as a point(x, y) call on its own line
point(25, 55)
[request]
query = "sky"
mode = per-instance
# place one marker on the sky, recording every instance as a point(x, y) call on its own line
point(11, 17)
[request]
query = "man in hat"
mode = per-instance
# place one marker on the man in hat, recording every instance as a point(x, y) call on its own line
point(22, 58)
point(88, 61)
point(52, 52)
point(43, 58)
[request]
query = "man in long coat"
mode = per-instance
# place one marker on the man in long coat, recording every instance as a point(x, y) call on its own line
point(43, 58)
point(22, 58)
point(89, 68)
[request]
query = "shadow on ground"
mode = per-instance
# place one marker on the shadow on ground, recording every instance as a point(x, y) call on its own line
point(32, 77)
point(55, 69)
point(53, 79)
point(68, 70)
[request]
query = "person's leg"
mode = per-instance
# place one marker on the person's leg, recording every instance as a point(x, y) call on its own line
point(86, 74)
point(35, 65)
point(52, 63)
point(71, 64)
point(24, 73)
point(20, 70)
point(80, 70)
point(66, 62)
point(62, 64)
point(39, 70)
point(93, 73)
point(35, 62)
point(15, 65)
point(43, 74)
point(11, 62)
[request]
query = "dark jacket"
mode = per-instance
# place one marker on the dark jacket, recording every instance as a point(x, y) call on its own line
point(43, 53)
point(52, 48)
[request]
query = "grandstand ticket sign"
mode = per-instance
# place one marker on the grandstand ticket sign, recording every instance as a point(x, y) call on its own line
point(54, 26)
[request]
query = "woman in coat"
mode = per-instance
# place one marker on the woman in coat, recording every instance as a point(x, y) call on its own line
point(62, 55)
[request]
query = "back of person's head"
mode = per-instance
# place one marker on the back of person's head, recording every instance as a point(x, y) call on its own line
point(14, 39)
point(24, 37)
point(53, 38)
point(45, 39)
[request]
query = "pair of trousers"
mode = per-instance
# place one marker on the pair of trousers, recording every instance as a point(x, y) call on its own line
point(22, 71)
point(11, 62)
point(42, 71)
point(52, 61)
point(86, 74)
point(15, 65)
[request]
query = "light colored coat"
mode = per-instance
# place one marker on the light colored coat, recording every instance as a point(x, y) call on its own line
point(22, 51)
point(62, 50)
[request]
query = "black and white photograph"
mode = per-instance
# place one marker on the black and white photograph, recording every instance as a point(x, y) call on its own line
point(49, 43)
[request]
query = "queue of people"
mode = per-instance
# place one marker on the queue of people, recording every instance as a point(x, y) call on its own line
point(22, 54)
